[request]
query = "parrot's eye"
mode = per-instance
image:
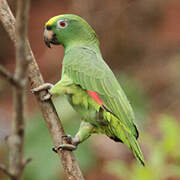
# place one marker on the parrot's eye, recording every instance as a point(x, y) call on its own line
point(62, 24)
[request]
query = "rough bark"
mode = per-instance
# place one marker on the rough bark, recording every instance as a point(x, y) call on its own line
point(9, 77)
point(16, 140)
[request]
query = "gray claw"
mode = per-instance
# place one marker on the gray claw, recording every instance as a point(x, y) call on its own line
point(46, 97)
point(45, 86)
point(71, 145)
point(68, 138)
point(68, 147)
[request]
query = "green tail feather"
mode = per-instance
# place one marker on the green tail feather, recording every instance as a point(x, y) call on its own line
point(123, 133)
point(135, 149)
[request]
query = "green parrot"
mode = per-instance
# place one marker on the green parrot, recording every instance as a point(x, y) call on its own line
point(89, 85)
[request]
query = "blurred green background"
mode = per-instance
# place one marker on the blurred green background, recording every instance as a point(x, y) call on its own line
point(140, 41)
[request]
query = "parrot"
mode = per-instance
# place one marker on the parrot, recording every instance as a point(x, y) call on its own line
point(89, 85)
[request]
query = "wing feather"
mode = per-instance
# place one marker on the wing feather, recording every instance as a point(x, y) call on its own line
point(87, 69)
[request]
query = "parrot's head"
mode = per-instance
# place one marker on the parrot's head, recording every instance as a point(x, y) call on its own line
point(68, 30)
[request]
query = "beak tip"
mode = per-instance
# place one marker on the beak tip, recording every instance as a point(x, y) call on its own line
point(50, 38)
point(48, 44)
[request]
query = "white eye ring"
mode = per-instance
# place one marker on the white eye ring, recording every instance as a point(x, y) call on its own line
point(62, 24)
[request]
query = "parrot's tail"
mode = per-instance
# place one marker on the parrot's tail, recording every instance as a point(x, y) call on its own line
point(130, 140)
point(120, 133)
point(124, 135)
point(133, 144)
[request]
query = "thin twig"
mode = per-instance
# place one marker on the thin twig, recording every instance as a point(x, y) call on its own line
point(52, 120)
point(9, 77)
point(5, 170)
point(27, 161)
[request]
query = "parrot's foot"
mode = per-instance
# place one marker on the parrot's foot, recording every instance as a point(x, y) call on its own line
point(68, 147)
point(46, 97)
point(45, 86)
point(71, 146)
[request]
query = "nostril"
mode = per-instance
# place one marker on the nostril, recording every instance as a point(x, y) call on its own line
point(48, 27)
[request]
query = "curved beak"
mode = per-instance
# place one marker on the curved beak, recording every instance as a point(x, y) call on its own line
point(50, 38)
point(47, 37)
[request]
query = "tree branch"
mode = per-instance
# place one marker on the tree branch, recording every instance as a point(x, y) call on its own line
point(5, 170)
point(16, 140)
point(27, 161)
point(9, 77)
point(52, 120)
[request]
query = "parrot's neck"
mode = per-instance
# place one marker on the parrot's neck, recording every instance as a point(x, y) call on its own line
point(85, 40)
point(93, 46)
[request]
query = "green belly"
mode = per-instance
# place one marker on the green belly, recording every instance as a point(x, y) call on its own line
point(90, 111)
point(87, 112)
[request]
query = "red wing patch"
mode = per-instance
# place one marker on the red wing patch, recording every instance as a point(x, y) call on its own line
point(97, 99)
point(95, 96)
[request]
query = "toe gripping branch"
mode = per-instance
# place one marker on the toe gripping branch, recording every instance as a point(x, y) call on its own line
point(71, 145)
point(47, 87)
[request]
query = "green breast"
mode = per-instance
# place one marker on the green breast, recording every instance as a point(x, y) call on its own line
point(84, 104)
